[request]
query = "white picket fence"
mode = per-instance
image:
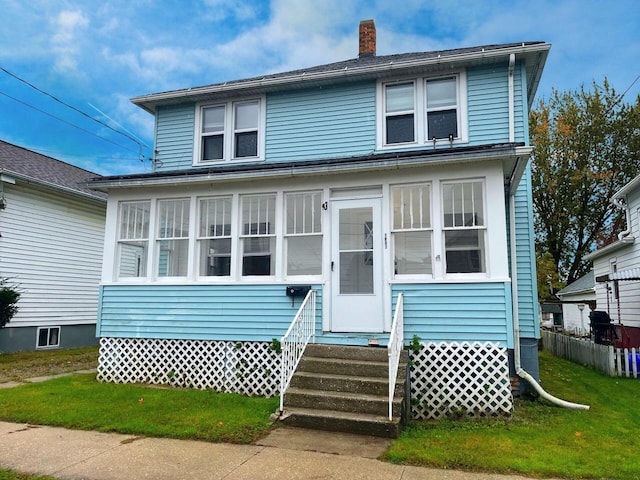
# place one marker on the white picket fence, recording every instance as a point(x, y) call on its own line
point(615, 362)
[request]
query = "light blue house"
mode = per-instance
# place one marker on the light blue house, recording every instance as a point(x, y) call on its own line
point(368, 180)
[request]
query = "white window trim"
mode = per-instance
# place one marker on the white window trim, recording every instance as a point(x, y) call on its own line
point(277, 235)
point(285, 236)
point(120, 241)
point(193, 271)
point(157, 240)
point(406, 276)
point(484, 228)
point(200, 240)
point(47, 347)
point(420, 112)
point(229, 131)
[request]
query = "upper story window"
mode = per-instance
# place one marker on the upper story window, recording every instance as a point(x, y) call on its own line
point(229, 131)
point(400, 113)
point(423, 111)
point(442, 108)
point(133, 239)
point(464, 226)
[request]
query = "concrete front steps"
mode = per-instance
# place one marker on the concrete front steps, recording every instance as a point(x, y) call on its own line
point(345, 389)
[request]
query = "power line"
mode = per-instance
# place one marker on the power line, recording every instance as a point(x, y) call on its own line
point(53, 97)
point(64, 121)
point(629, 87)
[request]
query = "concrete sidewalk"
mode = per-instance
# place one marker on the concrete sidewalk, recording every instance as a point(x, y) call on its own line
point(283, 455)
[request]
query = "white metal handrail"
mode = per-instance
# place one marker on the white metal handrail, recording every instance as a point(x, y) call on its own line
point(394, 348)
point(293, 343)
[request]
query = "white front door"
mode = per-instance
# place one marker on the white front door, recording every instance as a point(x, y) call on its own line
point(356, 263)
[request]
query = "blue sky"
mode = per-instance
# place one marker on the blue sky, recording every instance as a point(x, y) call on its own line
point(96, 55)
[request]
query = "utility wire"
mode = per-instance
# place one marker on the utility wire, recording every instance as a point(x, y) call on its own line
point(629, 87)
point(65, 121)
point(72, 108)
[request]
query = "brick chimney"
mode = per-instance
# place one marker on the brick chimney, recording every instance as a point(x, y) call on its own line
point(367, 38)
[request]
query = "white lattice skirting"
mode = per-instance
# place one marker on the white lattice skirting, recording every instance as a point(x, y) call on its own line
point(452, 379)
point(249, 368)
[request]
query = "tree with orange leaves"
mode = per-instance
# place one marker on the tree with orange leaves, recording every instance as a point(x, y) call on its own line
point(586, 147)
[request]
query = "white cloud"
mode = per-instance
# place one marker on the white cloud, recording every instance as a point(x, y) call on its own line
point(66, 43)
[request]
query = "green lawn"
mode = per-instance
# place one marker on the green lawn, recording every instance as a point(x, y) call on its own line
point(11, 475)
point(542, 439)
point(80, 402)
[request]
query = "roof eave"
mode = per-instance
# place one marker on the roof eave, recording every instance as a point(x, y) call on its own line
point(534, 72)
point(613, 247)
point(52, 186)
point(627, 188)
point(302, 169)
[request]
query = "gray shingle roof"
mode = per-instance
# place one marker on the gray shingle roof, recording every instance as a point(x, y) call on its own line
point(360, 67)
point(584, 283)
point(45, 170)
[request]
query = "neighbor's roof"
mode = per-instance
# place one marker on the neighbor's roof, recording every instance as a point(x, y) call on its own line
point(586, 283)
point(629, 274)
point(365, 67)
point(627, 188)
point(29, 166)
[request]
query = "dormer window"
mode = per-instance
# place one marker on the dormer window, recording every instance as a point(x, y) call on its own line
point(422, 111)
point(229, 131)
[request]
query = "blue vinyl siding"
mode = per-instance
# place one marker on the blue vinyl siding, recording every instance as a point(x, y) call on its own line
point(340, 121)
point(198, 312)
point(520, 104)
point(174, 137)
point(321, 123)
point(457, 312)
point(488, 104)
point(525, 252)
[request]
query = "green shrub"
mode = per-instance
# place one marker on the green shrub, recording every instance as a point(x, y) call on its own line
point(9, 297)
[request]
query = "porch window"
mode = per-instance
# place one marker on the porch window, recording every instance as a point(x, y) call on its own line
point(173, 238)
point(133, 239)
point(411, 230)
point(214, 238)
point(464, 227)
point(258, 236)
point(303, 234)
point(400, 113)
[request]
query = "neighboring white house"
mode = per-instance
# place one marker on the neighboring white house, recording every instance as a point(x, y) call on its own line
point(578, 300)
point(617, 269)
point(51, 237)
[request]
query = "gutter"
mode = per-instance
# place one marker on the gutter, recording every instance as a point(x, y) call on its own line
point(7, 176)
point(365, 71)
point(389, 161)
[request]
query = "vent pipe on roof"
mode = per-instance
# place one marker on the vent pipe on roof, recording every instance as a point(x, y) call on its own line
point(367, 36)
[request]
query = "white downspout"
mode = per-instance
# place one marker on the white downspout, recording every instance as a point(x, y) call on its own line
point(512, 115)
point(620, 203)
point(516, 320)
